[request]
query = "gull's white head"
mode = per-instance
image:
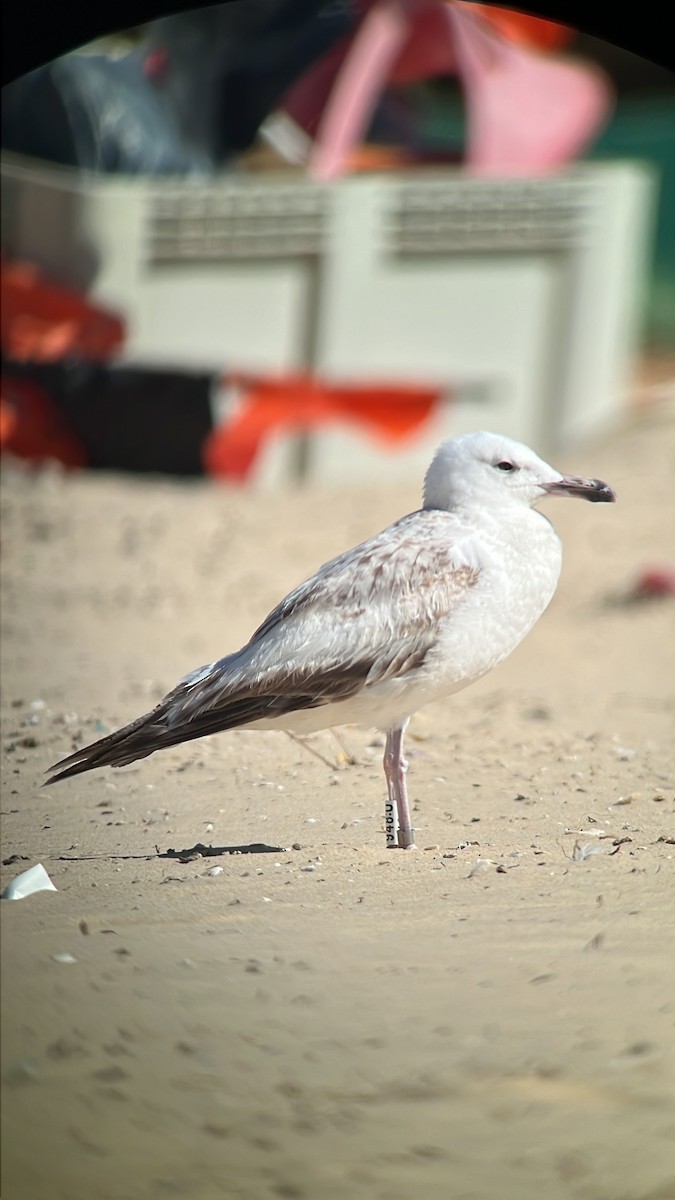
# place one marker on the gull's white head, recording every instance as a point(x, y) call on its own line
point(491, 470)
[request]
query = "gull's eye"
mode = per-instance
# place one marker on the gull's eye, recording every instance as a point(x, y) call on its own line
point(505, 466)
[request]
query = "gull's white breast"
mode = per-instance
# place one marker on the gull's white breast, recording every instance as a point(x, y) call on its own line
point(519, 556)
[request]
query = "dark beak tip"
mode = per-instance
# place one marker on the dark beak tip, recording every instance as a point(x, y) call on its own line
point(605, 494)
point(594, 490)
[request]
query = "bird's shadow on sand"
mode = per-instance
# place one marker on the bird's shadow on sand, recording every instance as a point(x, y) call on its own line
point(187, 855)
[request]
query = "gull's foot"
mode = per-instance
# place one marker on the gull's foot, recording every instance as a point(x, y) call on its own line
point(406, 839)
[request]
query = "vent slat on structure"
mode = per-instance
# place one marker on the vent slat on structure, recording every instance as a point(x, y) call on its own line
point(225, 223)
point(486, 216)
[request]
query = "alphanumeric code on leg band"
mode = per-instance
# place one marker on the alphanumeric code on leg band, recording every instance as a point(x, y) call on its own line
point(390, 823)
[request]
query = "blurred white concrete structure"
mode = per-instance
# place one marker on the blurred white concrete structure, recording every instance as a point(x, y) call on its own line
point(522, 298)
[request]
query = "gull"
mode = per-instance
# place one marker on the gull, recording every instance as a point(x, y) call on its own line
point(413, 614)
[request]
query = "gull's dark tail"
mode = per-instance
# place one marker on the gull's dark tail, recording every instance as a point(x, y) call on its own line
point(185, 713)
point(136, 740)
point(173, 721)
point(180, 717)
point(212, 699)
point(153, 731)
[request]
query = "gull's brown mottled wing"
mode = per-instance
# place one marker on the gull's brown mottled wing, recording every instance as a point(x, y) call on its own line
point(370, 615)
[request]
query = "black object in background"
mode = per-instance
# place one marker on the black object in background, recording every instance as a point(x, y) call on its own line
point(229, 65)
point(97, 113)
point(218, 73)
point(35, 33)
point(129, 418)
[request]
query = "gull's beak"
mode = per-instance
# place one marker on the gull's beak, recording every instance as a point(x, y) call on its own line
point(587, 489)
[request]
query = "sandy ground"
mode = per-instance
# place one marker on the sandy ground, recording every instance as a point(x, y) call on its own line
point(490, 1017)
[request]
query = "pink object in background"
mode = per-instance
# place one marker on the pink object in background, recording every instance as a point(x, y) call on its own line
point(527, 112)
point(355, 93)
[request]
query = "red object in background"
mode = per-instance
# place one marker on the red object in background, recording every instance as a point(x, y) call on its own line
point(298, 402)
point(155, 63)
point(527, 30)
point(44, 322)
point(654, 582)
point(32, 427)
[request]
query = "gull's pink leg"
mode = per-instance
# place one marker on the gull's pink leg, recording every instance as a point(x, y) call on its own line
point(395, 768)
point(390, 808)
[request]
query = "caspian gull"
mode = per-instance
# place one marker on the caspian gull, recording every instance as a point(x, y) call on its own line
point(413, 614)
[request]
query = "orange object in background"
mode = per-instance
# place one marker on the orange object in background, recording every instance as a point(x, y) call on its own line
point(32, 427)
point(43, 322)
point(392, 413)
point(527, 30)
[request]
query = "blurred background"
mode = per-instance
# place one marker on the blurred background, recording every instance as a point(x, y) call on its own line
point(281, 241)
point(278, 249)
